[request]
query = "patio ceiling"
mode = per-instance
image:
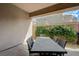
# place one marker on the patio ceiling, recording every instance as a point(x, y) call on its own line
point(32, 7)
point(35, 9)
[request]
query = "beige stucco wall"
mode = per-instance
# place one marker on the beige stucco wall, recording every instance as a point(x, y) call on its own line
point(14, 24)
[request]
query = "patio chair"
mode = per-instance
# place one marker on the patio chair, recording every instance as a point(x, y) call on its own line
point(30, 42)
point(62, 43)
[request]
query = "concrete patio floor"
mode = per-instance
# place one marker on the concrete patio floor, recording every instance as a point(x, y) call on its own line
point(22, 50)
point(72, 52)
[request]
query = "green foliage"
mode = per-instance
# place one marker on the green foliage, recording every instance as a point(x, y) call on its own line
point(65, 31)
point(42, 30)
point(59, 30)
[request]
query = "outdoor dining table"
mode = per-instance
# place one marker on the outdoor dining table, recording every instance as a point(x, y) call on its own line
point(47, 45)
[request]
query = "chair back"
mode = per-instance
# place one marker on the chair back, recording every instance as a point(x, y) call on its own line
point(30, 43)
point(62, 43)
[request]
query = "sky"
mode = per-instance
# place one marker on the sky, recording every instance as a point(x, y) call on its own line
point(75, 13)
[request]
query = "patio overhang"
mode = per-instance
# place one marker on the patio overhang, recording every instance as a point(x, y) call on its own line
point(53, 8)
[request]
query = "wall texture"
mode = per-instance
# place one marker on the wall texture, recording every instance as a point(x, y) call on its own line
point(14, 24)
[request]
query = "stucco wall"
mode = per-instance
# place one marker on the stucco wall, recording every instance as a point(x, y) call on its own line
point(14, 24)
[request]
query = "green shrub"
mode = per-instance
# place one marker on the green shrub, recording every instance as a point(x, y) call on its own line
point(66, 31)
point(42, 30)
point(58, 30)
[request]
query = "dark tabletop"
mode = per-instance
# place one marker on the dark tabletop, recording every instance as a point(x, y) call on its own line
point(46, 44)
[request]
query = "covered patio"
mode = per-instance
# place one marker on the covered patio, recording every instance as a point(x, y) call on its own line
point(18, 22)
